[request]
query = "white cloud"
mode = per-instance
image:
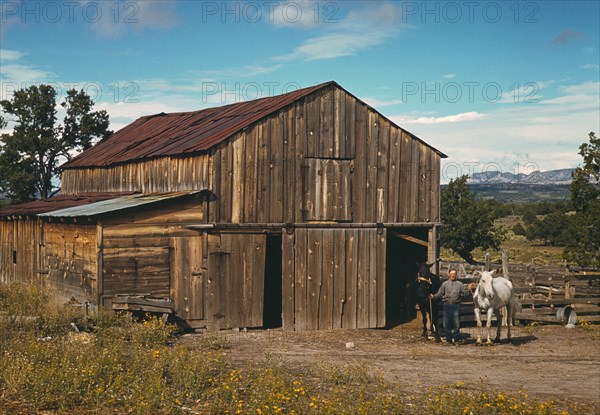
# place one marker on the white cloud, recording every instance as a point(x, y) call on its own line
point(359, 30)
point(115, 18)
point(449, 76)
point(590, 66)
point(545, 134)
point(378, 103)
point(22, 75)
point(462, 117)
point(10, 55)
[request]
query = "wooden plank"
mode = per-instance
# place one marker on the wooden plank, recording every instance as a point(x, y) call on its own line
point(360, 166)
point(350, 125)
point(393, 188)
point(300, 138)
point(238, 149)
point(312, 119)
point(288, 275)
point(409, 238)
point(197, 275)
point(362, 294)
point(339, 124)
point(301, 288)
point(257, 256)
point(383, 170)
point(370, 188)
point(424, 189)
point(414, 195)
point(99, 264)
point(314, 273)
point(289, 166)
point(250, 191)
point(380, 275)
point(327, 277)
point(373, 278)
point(276, 183)
point(262, 202)
point(350, 309)
point(339, 277)
point(405, 176)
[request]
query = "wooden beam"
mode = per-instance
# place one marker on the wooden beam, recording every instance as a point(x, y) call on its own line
point(409, 238)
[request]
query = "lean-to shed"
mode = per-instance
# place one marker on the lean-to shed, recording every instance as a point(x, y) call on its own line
point(305, 210)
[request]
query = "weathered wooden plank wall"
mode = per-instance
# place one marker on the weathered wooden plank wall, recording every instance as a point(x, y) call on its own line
point(308, 163)
point(188, 276)
point(70, 260)
point(326, 146)
point(334, 278)
point(19, 245)
point(235, 285)
point(167, 174)
point(137, 251)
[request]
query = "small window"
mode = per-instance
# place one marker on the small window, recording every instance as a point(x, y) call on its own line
point(14, 257)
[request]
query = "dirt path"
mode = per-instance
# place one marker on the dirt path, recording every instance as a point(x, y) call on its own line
point(546, 361)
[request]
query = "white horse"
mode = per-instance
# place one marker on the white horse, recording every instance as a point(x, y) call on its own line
point(491, 295)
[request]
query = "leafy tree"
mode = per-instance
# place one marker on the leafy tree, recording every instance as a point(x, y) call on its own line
point(551, 230)
point(29, 156)
point(583, 247)
point(468, 223)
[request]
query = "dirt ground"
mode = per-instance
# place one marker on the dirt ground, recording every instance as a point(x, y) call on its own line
point(548, 362)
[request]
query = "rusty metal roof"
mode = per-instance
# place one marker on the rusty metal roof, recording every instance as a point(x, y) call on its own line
point(183, 132)
point(59, 202)
point(114, 205)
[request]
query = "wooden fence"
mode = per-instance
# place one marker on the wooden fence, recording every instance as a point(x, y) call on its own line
point(546, 294)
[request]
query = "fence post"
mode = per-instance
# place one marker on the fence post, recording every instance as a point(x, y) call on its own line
point(505, 264)
point(488, 261)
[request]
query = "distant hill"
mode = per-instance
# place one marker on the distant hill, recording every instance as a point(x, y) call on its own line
point(552, 185)
point(551, 177)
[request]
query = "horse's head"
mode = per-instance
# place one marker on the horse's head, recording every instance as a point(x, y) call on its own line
point(485, 283)
point(427, 282)
point(424, 270)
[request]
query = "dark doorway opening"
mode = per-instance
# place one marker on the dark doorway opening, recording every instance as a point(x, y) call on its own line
point(401, 274)
point(272, 306)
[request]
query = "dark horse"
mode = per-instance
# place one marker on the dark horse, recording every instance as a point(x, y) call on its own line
point(428, 283)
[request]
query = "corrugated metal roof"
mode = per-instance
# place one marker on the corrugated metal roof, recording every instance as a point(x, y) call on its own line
point(114, 205)
point(188, 132)
point(59, 202)
point(183, 132)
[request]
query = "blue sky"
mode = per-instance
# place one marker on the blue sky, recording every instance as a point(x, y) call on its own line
point(510, 86)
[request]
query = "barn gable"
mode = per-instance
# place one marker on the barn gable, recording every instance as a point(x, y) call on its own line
point(313, 211)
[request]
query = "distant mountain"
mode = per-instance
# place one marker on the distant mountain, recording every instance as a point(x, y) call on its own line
point(551, 177)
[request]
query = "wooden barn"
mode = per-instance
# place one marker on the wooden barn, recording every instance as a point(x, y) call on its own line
point(304, 211)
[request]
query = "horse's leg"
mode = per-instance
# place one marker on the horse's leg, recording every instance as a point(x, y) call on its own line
point(504, 317)
point(479, 325)
point(509, 317)
point(435, 317)
point(488, 324)
point(423, 308)
point(500, 316)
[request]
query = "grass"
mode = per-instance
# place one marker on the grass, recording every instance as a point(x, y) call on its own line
point(117, 365)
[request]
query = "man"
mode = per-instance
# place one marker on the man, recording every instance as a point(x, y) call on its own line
point(451, 293)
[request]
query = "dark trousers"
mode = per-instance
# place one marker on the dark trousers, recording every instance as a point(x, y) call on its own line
point(452, 322)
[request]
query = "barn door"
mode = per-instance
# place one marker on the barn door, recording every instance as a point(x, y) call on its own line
point(236, 270)
point(187, 278)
